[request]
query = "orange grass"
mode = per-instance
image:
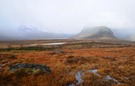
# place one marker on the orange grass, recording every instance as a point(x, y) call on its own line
point(116, 62)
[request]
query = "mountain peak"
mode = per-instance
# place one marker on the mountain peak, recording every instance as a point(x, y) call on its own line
point(100, 32)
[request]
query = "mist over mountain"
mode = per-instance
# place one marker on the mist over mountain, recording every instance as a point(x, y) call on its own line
point(36, 33)
point(101, 32)
point(51, 19)
point(124, 34)
point(106, 33)
point(132, 37)
point(31, 33)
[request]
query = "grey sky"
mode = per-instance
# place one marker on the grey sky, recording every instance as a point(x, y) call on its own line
point(67, 16)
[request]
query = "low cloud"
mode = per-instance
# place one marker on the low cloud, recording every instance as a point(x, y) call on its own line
point(132, 37)
point(66, 16)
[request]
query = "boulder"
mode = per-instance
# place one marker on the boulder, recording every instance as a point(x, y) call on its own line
point(30, 68)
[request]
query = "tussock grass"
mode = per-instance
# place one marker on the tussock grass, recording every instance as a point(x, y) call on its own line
point(118, 62)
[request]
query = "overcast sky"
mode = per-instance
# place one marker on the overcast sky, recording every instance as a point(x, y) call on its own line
point(66, 16)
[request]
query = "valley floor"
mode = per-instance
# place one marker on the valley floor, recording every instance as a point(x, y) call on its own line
point(75, 63)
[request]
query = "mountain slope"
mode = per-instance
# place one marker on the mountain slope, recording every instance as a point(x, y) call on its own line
point(100, 32)
point(31, 33)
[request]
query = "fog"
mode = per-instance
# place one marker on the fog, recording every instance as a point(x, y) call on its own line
point(65, 16)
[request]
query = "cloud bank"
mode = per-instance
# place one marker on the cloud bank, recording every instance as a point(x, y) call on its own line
point(66, 16)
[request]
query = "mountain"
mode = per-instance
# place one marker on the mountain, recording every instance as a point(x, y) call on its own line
point(101, 32)
point(31, 33)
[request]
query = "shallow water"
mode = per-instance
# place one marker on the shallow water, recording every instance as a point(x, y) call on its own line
point(78, 77)
point(95, 72)
point(44, 44)
point(108, 77)
point(60, 43)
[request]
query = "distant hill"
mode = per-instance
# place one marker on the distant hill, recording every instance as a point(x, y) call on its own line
point(101, 33)
point(132, 37)
point(31, 33)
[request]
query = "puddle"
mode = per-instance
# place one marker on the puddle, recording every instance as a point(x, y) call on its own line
point(108, 77)
point(59, 43)
point(95, 72)
point(78, 77)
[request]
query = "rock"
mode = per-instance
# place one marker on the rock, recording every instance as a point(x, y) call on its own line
point(32, 68)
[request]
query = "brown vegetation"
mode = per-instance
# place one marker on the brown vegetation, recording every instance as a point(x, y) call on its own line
point(118, 62)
